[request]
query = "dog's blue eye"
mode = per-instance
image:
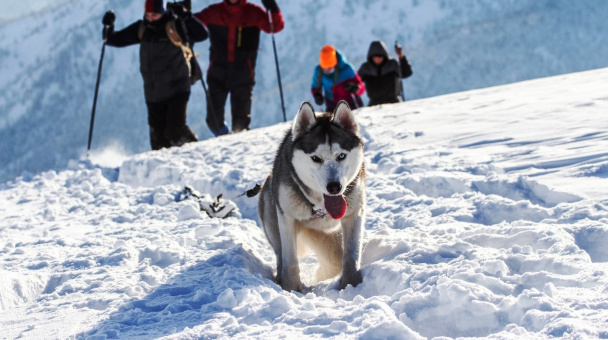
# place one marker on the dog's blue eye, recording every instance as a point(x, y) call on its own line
point(341, 156)
point(316, 159)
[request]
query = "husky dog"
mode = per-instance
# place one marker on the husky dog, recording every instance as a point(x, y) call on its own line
point(315, 197)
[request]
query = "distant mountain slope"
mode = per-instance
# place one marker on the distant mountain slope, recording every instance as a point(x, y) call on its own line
point(48, 63)
point(26, 8)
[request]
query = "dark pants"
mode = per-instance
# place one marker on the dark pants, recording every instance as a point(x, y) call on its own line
point(167, 120)
point(354, 102)
point(240, 104)
point(387, 100)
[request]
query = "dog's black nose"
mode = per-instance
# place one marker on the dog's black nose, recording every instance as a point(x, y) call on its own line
point(334, 188)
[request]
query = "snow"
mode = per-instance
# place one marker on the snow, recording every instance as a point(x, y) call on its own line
point(486, 218)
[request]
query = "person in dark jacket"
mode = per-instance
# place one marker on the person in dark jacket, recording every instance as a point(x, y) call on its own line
point(164, 65)
point(335, 79)
point(382, 75)
point(234, 31)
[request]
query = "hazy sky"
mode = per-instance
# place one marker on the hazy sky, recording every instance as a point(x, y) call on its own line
point(24, 7)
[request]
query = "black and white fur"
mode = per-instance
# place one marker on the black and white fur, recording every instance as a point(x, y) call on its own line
point(321, 156)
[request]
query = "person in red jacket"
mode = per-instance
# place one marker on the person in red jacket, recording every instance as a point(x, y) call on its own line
point(234, 32)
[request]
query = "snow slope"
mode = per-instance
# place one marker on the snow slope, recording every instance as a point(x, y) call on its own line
point(48, 62)
point(486, 218)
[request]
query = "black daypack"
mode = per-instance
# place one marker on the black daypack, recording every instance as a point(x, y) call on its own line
point(196, 73)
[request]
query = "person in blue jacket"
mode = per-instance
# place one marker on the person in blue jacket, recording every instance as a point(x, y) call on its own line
point(335, 79)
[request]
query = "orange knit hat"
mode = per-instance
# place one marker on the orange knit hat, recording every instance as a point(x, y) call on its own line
point(327, 57)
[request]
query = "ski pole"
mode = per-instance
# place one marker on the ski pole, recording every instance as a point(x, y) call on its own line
point(402, 91)
point(211, 109)
point(400, 80)
point(103, 50)
point(352, 95)
point(276, 62)
point(185, 30)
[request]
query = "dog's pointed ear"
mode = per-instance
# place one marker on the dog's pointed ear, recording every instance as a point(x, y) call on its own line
point(305, 119)
point(344, 118)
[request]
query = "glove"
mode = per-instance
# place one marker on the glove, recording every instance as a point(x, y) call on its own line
point(398, 50)
point(107, 31)
point(179, 9)
point(318, 98)
point(108, 18)
point(351, 87)
point(270, 5)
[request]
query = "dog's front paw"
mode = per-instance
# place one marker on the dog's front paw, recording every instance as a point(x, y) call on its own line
point(290, 285)
point(352, 278)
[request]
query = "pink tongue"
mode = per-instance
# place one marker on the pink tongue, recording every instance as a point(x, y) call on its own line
point(335, 206)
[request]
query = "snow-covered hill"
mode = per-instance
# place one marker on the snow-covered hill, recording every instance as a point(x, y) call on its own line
point(48, 62)
point(487, 217)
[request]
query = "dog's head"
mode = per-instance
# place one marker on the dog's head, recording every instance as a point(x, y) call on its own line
point(328, 153)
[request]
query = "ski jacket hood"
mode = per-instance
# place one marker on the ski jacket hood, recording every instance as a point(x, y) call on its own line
point(341, 59)
point(377, 48)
